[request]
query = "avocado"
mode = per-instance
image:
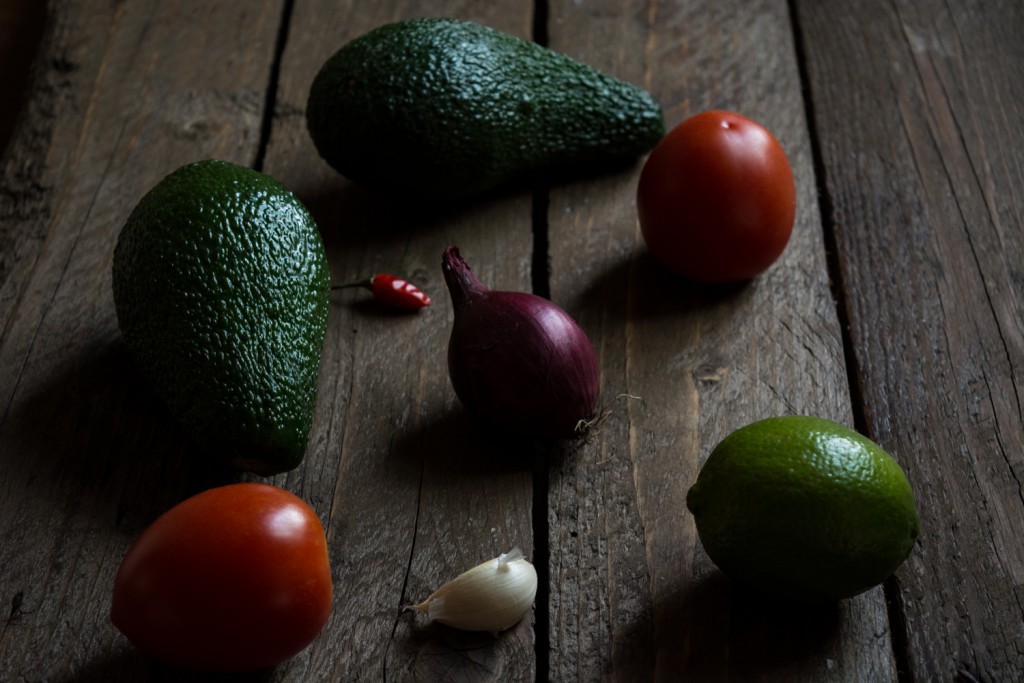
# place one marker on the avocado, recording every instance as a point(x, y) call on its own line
point(221, 292)
point(446, 108)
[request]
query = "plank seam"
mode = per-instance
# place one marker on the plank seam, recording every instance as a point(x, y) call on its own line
point(895, 610)
point(270, 99)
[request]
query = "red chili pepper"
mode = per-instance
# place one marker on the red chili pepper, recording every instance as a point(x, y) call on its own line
point(392, 291)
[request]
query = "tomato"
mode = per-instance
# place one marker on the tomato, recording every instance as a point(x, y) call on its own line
point(234, 578)
point(716, 198)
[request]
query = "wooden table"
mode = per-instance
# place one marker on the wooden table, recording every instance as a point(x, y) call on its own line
point(897, 308)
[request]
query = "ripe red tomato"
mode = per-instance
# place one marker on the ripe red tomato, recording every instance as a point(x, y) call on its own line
point(234, 578)
point(716, 198)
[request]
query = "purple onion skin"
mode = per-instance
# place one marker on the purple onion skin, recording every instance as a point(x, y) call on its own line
point(516, 360)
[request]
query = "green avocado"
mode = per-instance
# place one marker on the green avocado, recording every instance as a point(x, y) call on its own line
point(446, 108)
point(221, 290)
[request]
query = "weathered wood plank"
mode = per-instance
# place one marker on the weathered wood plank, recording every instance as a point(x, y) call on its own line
point(918, 108)
point(117, 102)
point(915, 107)
point(410, 493)
point(415, 493)
point(633, 595)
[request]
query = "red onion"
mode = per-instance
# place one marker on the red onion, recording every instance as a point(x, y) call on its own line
point(516, 360)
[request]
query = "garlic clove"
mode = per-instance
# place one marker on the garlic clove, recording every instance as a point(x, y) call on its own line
point(492, 596)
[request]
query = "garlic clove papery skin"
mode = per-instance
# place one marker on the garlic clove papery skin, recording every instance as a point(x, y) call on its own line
point(491, 596)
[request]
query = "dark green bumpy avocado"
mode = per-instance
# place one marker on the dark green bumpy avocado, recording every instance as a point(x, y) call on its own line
point(221, 290)
point(449, 108)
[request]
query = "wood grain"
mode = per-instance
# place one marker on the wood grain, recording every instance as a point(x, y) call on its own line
point(897, 307)
point(633, 595)
point(417, 494)
point(918, 108)
point(88, 458)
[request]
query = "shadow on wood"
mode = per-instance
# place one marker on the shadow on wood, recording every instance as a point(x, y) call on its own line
point(654, 291)
point(343, 209)
point(441, 653)
point(713, 630)
point(126, 663)
point(130, 664)
point(351, 217)
point(94, 432)
point(458, 446)
point(104, 444)
point(22, 23)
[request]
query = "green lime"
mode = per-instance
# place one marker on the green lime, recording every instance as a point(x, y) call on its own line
point(802, 507)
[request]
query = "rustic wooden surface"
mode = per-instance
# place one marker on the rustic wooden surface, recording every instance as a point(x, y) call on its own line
point(896, 309)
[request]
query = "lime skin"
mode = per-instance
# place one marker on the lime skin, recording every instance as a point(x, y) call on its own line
point(803, 508)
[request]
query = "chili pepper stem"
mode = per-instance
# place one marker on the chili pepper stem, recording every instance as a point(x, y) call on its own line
point(366, 284)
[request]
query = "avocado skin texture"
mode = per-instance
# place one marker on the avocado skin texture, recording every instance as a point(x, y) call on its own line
point(450, 108)
point(221, 289)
